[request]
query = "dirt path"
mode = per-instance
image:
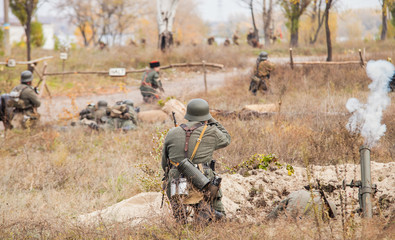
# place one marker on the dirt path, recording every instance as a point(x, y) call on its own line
point(51, 109)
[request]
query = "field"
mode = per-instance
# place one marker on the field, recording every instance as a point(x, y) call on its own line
point(52, 175)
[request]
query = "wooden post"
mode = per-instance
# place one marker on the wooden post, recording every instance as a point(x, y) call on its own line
point(361, 58)
point(63, 65)
point(291, 62)
point(43, 80)
point(205, 76)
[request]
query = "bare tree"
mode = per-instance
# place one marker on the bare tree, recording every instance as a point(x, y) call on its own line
point(81, 13)
point(316, 16)
point(267, 20)
point(253, 37)
point(385, 5)
point(24, 11)
point(166, 11)
point(293, 10)
point(327, 30)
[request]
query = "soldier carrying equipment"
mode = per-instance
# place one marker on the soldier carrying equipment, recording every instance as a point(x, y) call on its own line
point(186, 160)
point(24, 101)
point(261, 76)
point(150, 83)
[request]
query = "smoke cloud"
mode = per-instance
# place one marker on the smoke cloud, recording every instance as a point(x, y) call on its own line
point(366, 118)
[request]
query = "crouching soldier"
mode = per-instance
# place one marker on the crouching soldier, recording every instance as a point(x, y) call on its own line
point(122, 116)
point(260, 79)
point(24, 101)
point(187, 161)
point(304, 203)
point(150, 83)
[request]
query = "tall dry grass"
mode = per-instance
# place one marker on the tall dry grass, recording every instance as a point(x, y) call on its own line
point(51, 175)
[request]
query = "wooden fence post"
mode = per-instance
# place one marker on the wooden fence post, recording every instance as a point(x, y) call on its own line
point(205, 76)
point(361, 58)
point(291, 62)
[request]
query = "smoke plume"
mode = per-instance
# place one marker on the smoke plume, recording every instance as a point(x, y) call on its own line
point(366, 118)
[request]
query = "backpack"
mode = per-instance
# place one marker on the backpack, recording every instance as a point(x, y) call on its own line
point(15, 100)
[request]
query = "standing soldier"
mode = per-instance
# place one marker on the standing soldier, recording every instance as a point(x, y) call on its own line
point(150, 83)
point(24, 100)
point(260, 79)
point(187, 154)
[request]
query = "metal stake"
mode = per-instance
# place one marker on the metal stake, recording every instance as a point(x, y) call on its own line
point(205, 76)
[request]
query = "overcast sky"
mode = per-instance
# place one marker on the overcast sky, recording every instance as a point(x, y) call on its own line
point(220, 10)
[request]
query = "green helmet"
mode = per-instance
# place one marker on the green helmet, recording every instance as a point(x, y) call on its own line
point(102, 103)
point(198, 110)
point(263, 56)
point(26, 76)
point(128, 102)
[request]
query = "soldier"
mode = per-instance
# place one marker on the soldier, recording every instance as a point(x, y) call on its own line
point(392, 83)
point(259, 81)
point(24, 100)
point(121, 116)
point(235, 38)
point(150, 83)
point(301, 203)
point(100, 113)
point(190, 145)
point(6, 113)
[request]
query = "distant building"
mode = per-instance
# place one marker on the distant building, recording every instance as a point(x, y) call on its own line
point(17, 34)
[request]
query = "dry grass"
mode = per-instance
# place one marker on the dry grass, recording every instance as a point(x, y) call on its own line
point(50, 176)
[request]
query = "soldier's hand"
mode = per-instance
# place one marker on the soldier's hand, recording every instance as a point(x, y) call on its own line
point(36, 90)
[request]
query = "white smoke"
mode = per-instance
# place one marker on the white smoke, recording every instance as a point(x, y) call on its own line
point(366, 118)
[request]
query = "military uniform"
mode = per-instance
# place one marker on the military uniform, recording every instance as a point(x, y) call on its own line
point(150, 83)
point(121, 117)
point(25, 112)
point(261, 76)
point(215, 137)
point(301, 203)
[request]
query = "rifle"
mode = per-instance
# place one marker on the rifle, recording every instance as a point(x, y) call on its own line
point(330, 211)
point(167, 169)
point(174, 119)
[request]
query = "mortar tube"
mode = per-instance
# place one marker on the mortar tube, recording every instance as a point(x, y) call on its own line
point(366, 182)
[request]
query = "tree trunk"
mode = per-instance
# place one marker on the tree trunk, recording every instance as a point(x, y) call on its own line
point(166, 11)
point(294, 32)
point(28, 45)
point(384, 20)
point(328, 31)
point(267, 20)
point(256, 34)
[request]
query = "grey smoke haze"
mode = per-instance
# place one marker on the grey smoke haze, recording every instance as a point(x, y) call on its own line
point(366, 118)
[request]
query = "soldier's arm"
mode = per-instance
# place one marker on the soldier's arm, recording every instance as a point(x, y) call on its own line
point(33, 98)
point(133, 117)
point(223, 137)
point(156, 83)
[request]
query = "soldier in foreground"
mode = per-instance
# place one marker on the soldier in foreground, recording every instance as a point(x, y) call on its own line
point(24, 101)
point(260, 79)
point(188, 165)
point(150, 83)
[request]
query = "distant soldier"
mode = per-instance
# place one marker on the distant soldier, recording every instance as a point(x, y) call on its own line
point(150, 83)
point(235, 38)
point(24, 101)
point(122, 116)
point(87, 116)
point(210, 41)
point(260, 79)
point(302, 203)
point(100, 112)
point(226, 43)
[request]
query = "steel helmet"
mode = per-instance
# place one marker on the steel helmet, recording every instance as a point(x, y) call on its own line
point(102, 103)
point(263, 56)
point(128, 102)
point(26, 76)
point(198, 110)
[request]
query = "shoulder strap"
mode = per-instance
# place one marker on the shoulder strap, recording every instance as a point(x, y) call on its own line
point(188, 133)
point(198, 142)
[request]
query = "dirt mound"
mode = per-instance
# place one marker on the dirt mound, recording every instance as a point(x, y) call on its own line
point(153, 116)
point(257, 192)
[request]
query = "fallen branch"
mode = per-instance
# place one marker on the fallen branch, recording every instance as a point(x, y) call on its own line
point(213, 65)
